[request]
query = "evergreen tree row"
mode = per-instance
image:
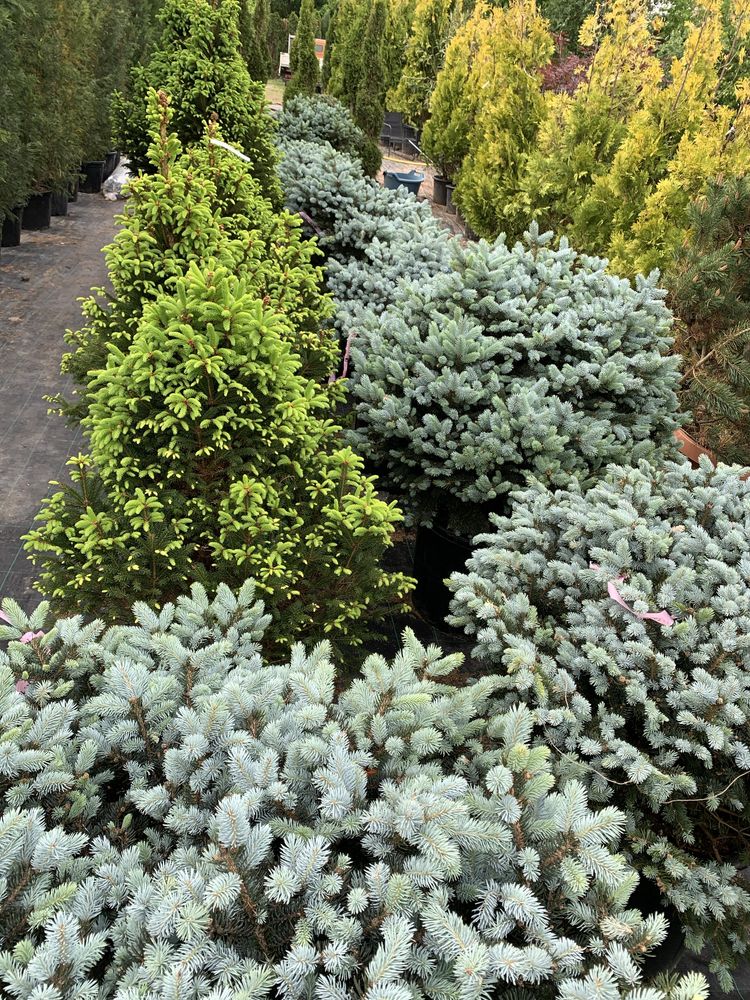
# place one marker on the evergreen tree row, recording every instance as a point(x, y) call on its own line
point(61, 63)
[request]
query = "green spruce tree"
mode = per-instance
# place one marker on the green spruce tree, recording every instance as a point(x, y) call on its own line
point(199, 64)
point(197, 204)
point(213, 458)
point(303, 58)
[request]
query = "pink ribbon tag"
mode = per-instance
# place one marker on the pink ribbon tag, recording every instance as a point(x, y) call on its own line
point(30, 636)
point(22, 686)
point(661, 617)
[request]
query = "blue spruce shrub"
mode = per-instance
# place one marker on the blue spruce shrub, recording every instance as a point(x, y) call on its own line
point(521, 363)
point(181, 819)
point(648, 703)
point(374, 239)
point(321, 118)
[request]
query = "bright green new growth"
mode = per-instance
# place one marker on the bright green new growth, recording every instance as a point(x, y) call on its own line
point(654, 717)
point(305, 66)
point(213, 459)
point(182, 818)
point(522, 363)
point(199, 64)
point(195, 205)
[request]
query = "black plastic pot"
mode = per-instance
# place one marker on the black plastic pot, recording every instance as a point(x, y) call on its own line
point(93, 176)
point(449, 206)
point(439, 189)
point(37, 213)
point(11, 235)
point(648, 899)
point(437, 554)
point(59, 203)
point(73, 190)
point(110, 163)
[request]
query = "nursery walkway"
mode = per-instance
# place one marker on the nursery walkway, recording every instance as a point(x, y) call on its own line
point(40, 282)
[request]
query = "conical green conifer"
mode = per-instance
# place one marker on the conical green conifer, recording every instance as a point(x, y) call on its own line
point(199, 64)
point(304, 61)
point(369, 100)
point(258, 55)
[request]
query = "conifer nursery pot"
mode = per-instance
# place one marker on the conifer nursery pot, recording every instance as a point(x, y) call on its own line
point(37, 213)
point(11, 228)
point(439, 189)
point(59, 202)
point(438, 552)
point(93, 176)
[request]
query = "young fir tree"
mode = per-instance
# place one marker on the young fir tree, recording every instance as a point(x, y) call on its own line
point(213, 459)
point(181, 817)
point(199, 64)
point(304, 60)
point(523, 363)
point(322, 119)
point(368, 105)
point(258, 54)
point(199, 204)
point(709, 285)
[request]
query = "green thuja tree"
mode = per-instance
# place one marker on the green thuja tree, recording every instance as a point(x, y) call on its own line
point(346, 51)
point(212, 458)
point(709, 286)
point(56, 48)
point(258, 53)
point(453, 105)
point(198, 62)
point(15, 100)
point(434, 23)
point(245, 27)
point(303, 58)
point(330, 37)
point(369, 99)
point(198, 204)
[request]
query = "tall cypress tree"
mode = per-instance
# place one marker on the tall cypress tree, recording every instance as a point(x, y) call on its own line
point(304, 61)
point(369, 99)
point(199, 64)
point(258, 54)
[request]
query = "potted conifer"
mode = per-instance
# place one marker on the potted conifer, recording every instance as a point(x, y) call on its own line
point(491, 375)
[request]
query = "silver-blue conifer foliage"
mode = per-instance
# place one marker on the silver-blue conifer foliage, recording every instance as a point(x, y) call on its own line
point(524, 362)
point(182, 820)
point(621, 616)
